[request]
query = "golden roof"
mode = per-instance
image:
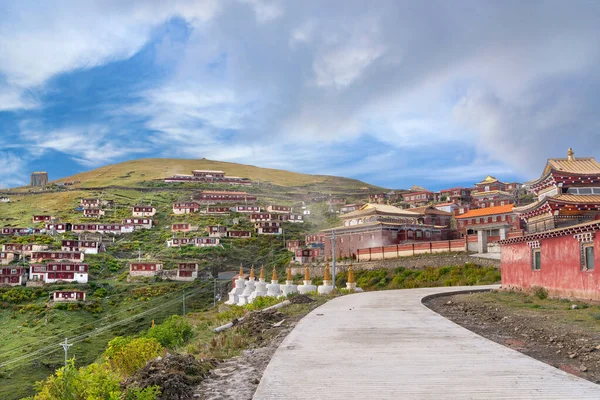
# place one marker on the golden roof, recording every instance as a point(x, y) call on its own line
point(374, 208)
point(480, 194)
point(488, 179)
point(576, 166)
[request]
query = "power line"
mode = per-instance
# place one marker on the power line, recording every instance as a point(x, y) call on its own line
point(79, 338)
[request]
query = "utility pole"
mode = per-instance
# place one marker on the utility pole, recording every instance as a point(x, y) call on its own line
point(66, 346)
point(215, 293)
point(333, 257)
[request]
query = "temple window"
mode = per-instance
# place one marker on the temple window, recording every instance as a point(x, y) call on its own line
point(536, 259)
point(587, 256)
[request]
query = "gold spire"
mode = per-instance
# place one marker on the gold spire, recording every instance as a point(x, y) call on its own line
point(289, 273)
point(306, 273)
point(327, 274)
point(241, 271)
point(262, 272)
point(350, 274)
point(274, 275)
point(571, 155)
point(252, 272)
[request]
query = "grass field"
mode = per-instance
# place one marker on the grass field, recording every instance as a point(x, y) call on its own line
point(136, 171)
point(26, 328)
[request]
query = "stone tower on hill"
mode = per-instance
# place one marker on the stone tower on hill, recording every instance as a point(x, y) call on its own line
point(39, 179)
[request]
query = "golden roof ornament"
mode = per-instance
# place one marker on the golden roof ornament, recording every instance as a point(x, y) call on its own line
point(262, 272)
point(571, 154)
point(306, 273)
point(241, 271)
point(289, 273)
point(350, 274)
point(327, 274)
point(274, 275)
point(252, 272)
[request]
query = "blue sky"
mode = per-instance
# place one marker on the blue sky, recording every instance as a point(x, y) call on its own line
point(391, 92)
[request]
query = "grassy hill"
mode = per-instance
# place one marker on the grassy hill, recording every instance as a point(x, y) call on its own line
point(135, 172)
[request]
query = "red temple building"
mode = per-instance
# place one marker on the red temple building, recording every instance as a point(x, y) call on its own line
point(558, 251)
point(377, 225)
point(490, 192)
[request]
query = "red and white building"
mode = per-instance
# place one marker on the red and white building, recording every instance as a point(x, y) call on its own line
point(187, 272)
point(73, 256)
point(308, 255)
point(268, 228)
point(25, 249)
point(490, 192)
point(59, 272)
point(13, 276)
point(207, 241)
point(68, 296)
point(143, 211)
point(178, 242)
point(139, 223)
point(41, 218)
point(91, 203)
point(559, 251)
point(247, 209)
point(186, 208)
point(376, 225)
point(419, 198)
point(459, 195)
point(279, 209)
point(58, 228)
point(209, 176)
point(115, 229)
point(21, 231)
point(144, 268)
point(93, 212)
point(6, 257)
point(239, 234)
point(262, 217)
point(490, 224)
point(314, 239)
point(215, 196)
point(290, 218)
point(378, 198)
point(349, 208)
point(448, 207)
point(217, 210)
point(292, 245)
point(85, 246)
point(183, 227)
point(217, 231)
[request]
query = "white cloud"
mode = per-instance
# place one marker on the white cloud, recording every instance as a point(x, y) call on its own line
point(12, 170)
point(266, 10)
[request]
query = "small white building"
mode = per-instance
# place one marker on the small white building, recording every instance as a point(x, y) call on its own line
point(143, 211)
point(68, 295)
point(144, 268)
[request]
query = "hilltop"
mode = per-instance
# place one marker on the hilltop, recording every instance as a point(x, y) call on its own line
point(139, 172)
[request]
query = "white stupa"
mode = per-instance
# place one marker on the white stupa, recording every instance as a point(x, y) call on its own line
point(273, 288)
point(234, 294)
point(351, 283)
point(289, 286)
point(260, 288)
point(326, 287)
point(248, 289)
point(307, 286)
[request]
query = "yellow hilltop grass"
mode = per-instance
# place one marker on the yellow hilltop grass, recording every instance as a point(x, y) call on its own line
point(135, 171)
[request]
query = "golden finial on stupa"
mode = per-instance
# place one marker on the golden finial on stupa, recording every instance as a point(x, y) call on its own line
point(262, 272)
point(241, 270)
point(327, 274)
point(289, 273)
point(570, 154)
point(252, 272)
point(350, 274)
point(306, 273)
point(274, 275)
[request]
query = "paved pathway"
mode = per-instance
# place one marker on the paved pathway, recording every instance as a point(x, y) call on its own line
point(387, 345)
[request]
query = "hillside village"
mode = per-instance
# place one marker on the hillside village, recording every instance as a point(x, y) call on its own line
point(199, 228)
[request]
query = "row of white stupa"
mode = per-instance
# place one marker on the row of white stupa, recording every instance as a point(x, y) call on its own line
point(245, 291)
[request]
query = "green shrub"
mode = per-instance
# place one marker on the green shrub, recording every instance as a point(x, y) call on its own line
point(263, 302)
point(540, 292)
point(126, 355)
point(172, 333)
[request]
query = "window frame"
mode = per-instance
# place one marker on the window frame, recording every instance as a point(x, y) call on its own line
point(533, 259)
point(584, 257)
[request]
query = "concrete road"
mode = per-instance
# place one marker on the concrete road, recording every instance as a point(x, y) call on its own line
point(388, 345)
